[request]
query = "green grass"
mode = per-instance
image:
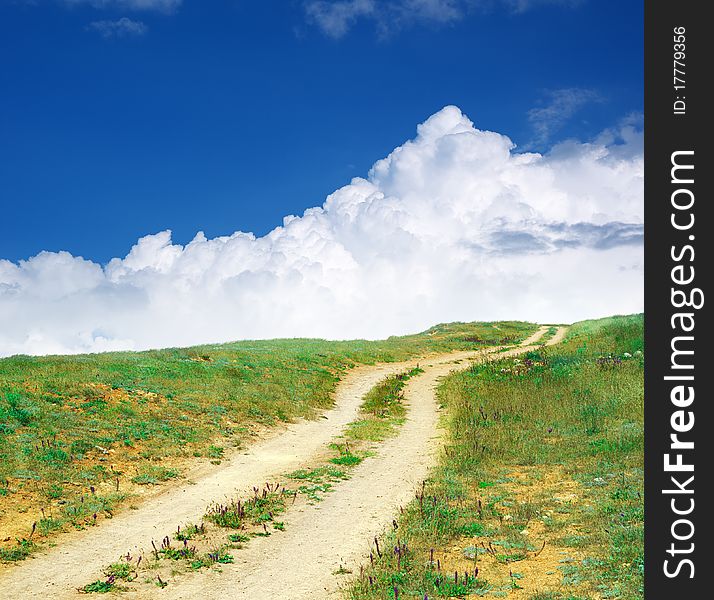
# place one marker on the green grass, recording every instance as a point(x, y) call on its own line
point(567, 418)
point(99, 587)
point(121, 570)
point(152, 474)
point(381, 412)
point(347, 460)
point(317, 481)
point(74, 428)
point(261, 508)
point(189, 532)
point(19, 551)
point(382, 409)
point(48, 524)
point(80, 510)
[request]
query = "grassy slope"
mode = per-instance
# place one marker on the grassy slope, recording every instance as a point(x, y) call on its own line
point(229, 524)
point(539, 492)
point(79, 434)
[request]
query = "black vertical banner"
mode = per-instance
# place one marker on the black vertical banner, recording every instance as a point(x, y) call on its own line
point(678, 423)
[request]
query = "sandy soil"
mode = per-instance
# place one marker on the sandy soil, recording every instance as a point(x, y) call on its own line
point(319, 539)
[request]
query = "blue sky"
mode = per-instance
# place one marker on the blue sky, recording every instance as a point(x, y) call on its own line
point(120, 118)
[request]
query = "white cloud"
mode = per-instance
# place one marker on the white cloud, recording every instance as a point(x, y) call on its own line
point(166, 6)
point(120, 28)
point(440, 11)
point(452, 225)
point(562, 105)
point(336, 17)
point(520, 6)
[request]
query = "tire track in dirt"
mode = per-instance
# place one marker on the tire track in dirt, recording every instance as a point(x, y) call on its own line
point(298, 563)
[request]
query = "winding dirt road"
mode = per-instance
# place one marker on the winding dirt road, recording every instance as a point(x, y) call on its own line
point(319, 539)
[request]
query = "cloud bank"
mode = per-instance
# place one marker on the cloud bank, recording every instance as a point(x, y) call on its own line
point(452, 225)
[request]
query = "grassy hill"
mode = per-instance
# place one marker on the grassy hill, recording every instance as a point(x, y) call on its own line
point(539, 491)
point(81, 436)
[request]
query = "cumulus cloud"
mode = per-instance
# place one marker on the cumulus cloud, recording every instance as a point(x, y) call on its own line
point(120, 28)
point(452, 225)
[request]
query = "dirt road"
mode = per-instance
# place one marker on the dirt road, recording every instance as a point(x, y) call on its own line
point(299, 563)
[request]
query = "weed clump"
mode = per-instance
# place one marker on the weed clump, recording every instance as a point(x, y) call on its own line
point(20, 551)
point(153, 474)
point(259, 509)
